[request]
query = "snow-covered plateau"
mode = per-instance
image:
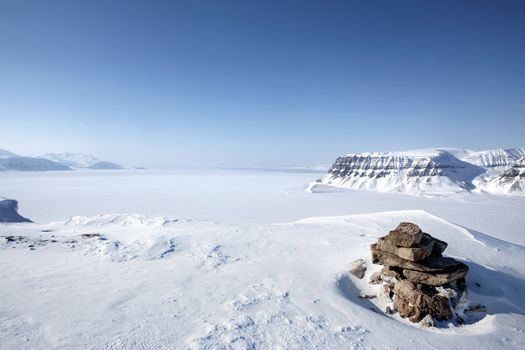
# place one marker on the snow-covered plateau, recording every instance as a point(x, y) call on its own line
point(431, 171)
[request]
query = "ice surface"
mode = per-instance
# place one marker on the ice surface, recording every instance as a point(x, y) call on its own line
point(239, 196)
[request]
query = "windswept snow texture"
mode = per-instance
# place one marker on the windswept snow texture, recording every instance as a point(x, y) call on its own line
point(139, 282)
point(435, 172)
point(9, 211)
point(80, 160)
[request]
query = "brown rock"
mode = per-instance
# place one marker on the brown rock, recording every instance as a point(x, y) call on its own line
point(406, 309)
point(431, 264)
point(391, 275)
point(414, 303)
point(439, 245)
point(438, 307)
point(449, 275)
point(417, 253)
point(405, 235)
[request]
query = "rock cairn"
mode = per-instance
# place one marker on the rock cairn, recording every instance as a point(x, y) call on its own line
point(421, 282)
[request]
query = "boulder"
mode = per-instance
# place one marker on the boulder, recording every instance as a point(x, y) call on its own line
point(416, 303)
point(417, 253)
point(439, 245)
point(449, 275)
point(358, 268)
point(431, 264)
point(406, 234)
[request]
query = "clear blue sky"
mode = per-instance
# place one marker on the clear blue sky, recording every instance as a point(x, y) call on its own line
point(257, 83)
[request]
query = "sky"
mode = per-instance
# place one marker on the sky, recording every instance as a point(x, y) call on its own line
point(259, 83)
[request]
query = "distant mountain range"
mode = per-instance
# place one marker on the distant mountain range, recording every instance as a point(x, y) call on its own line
point(80, 160)
point(52, 162)
point(430, 171)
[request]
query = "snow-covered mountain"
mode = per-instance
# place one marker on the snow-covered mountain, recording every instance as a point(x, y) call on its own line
point(7, 154)
point(493, 158)
point(509, 181)
point(432, 171)
point(52, 161)
point(12, 161)
point(30, 164)
point(80, 160)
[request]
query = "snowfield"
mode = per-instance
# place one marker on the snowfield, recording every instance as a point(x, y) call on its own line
point(133, 281)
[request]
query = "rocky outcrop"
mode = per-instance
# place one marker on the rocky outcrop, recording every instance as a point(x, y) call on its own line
point(9, 211)
point(430, 171)
point(509, 180)
point(417, 278)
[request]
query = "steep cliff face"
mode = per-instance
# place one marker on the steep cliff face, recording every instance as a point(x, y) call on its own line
point(509, 181)
point(435, 171)
point(425, 171)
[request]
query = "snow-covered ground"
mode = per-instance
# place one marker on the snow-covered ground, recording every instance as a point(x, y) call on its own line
point(221, 259)
point(160, 283)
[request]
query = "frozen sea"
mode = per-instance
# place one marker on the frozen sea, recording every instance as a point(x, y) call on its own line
point(259, 196)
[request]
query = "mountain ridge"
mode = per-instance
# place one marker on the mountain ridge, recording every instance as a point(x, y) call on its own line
point(426, 171)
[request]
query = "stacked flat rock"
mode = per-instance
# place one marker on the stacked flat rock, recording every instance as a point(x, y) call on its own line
point(421, 282)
